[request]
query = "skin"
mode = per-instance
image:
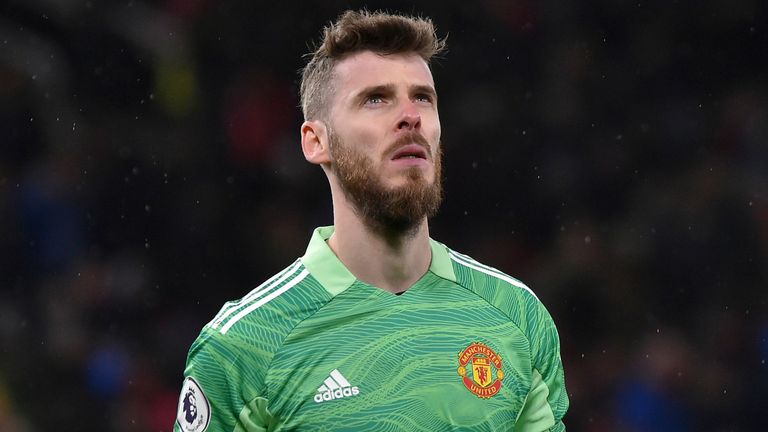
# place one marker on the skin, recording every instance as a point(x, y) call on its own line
point(379, 99)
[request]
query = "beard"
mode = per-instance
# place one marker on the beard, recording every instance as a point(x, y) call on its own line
point(383, 209)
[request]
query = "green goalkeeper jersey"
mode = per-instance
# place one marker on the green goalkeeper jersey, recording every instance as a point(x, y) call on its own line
point(314, 349)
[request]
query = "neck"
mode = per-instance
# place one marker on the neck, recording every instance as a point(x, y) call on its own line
point(390, 259)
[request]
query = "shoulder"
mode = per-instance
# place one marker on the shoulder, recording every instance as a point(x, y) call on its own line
point(229, 362)
point(506, 293)
point(274, 306)
point(487, 280)
point(253, 328)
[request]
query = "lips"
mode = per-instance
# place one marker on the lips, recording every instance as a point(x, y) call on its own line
point(410, 151)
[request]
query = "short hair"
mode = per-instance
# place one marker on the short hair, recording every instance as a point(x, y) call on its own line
point(356, 31)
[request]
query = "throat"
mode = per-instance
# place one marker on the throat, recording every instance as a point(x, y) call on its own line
point(393, 263)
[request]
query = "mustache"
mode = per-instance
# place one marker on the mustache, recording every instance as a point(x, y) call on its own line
point(410, 138)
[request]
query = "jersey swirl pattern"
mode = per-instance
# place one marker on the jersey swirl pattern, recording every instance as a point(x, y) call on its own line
point(378, 361)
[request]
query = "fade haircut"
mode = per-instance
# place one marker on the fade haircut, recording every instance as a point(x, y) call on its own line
point(356, 31)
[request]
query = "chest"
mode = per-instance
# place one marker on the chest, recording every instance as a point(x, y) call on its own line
point(401, 366)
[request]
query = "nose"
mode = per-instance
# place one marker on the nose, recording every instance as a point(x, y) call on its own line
point(410, 118)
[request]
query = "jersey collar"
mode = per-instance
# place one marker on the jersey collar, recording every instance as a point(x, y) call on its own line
point(326, 267)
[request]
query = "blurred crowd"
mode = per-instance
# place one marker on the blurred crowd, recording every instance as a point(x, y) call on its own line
point(612, 155)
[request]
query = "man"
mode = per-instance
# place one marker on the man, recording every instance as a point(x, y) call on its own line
point(377, 327)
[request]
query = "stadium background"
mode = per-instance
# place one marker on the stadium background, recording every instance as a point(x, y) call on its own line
point(613, 155)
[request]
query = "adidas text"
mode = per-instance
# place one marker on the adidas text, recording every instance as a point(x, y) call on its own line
point(336, 394)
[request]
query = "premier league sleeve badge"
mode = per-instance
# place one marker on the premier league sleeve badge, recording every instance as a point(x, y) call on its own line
point(194, 411)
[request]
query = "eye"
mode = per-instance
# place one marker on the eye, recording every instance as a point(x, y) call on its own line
point(374, 99)
point(423, 97)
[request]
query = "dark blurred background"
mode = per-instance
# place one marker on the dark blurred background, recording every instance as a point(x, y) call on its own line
point(613, 155)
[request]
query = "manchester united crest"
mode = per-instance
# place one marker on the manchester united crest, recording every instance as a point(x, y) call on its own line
point(480, 370)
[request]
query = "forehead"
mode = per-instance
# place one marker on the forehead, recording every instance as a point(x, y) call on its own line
point(367, 69)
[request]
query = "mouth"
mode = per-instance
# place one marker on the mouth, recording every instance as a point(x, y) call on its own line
point(410, 151)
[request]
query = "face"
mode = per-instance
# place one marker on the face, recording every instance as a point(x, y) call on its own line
point(384, 138)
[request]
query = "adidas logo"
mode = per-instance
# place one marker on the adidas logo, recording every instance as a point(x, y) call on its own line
point(335, 387)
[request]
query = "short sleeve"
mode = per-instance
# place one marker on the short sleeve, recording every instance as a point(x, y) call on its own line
point(212, 398)
point(547, 401)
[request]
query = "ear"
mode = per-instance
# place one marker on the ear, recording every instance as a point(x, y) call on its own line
point(314, 142)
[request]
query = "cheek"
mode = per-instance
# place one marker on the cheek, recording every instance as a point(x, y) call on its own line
point(436, 143)
point(361, 139)
point(436, 132)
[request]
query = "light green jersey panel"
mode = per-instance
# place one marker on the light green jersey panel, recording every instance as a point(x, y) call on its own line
point(316, 349)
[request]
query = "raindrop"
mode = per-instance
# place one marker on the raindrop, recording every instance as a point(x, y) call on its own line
point(587, 239)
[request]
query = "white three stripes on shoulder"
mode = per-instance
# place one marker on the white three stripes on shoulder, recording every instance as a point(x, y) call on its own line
point(471, 263)
point(277, 279)
point(263, 300)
